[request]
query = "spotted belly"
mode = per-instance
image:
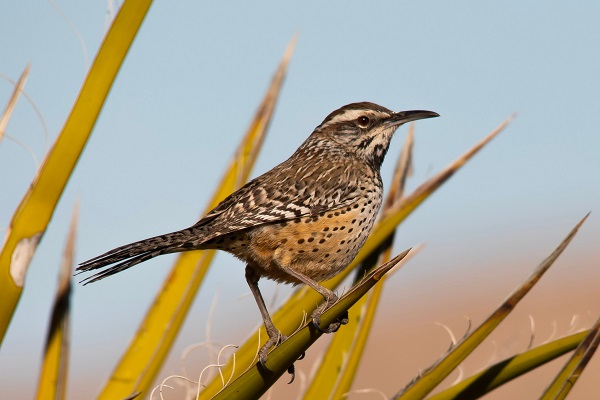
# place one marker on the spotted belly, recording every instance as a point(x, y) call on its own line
point(318, 247)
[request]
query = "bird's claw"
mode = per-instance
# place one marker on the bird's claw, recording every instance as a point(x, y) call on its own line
point(333, 327)
point(274, 341)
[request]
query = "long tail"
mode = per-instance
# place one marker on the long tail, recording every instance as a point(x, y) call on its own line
point(134, 253)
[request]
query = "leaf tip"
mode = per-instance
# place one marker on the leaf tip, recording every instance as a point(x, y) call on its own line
point(582, 220)
point(289, 50)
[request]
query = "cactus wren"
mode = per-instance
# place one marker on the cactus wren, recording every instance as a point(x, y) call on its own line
point(301, 222)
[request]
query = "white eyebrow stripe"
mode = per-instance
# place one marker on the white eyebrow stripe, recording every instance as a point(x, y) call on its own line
point(349, 115)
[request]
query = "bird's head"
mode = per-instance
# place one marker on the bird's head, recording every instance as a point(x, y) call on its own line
point(364, 129)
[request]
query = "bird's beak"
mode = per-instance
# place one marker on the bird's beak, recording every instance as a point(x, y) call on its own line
point(403, 117)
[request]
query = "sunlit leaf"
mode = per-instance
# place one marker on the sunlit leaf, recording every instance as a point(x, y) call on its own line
point(434, 375)
point(511, 368)
point(33, 214)
point(53, 378)
point(257, 380)
point(570, 372)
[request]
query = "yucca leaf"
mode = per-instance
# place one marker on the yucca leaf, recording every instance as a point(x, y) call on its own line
point(401, 209)
point(432, 377)
point(257, 380)
point(149, 347)
point(336, 371)
point(511, 368)
point(12, 101)
point(33, 214)
point(570, 372)
point(53, 378)
point(289, 315)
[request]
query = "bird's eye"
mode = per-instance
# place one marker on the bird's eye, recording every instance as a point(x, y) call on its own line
point(363, 121)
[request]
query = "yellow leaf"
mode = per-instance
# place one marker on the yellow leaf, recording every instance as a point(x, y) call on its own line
point(53, 378)
point(37, 206)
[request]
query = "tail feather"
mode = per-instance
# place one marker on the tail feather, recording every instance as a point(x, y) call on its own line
point(122, 266)
point(134, 253)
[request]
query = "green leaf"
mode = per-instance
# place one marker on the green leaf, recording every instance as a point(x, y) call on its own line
point(432, 377)
point(257, 380)
point(511, 368)
point(569, 374)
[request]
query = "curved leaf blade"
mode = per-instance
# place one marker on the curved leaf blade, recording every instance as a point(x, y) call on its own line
point(32, 216)
point(257, 380)
point(570, 372)
point(511, 368)
point(433, 376)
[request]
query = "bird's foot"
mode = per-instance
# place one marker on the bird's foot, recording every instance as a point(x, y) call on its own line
point(334, 326)
point(275, 339)
point(292, 368)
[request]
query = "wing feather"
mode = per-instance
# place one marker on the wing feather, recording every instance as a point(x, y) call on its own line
point(283, 194)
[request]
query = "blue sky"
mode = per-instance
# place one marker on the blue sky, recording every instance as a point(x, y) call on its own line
point(190, 86)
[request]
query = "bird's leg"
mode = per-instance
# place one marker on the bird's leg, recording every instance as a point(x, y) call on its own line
point(328, 295)
point(275, 337)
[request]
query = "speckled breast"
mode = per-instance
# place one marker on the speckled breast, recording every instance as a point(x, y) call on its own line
point(319, 246)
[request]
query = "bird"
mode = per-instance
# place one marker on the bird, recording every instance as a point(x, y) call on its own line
point(301, 222)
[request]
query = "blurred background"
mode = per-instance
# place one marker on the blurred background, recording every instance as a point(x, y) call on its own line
point(183, 99)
